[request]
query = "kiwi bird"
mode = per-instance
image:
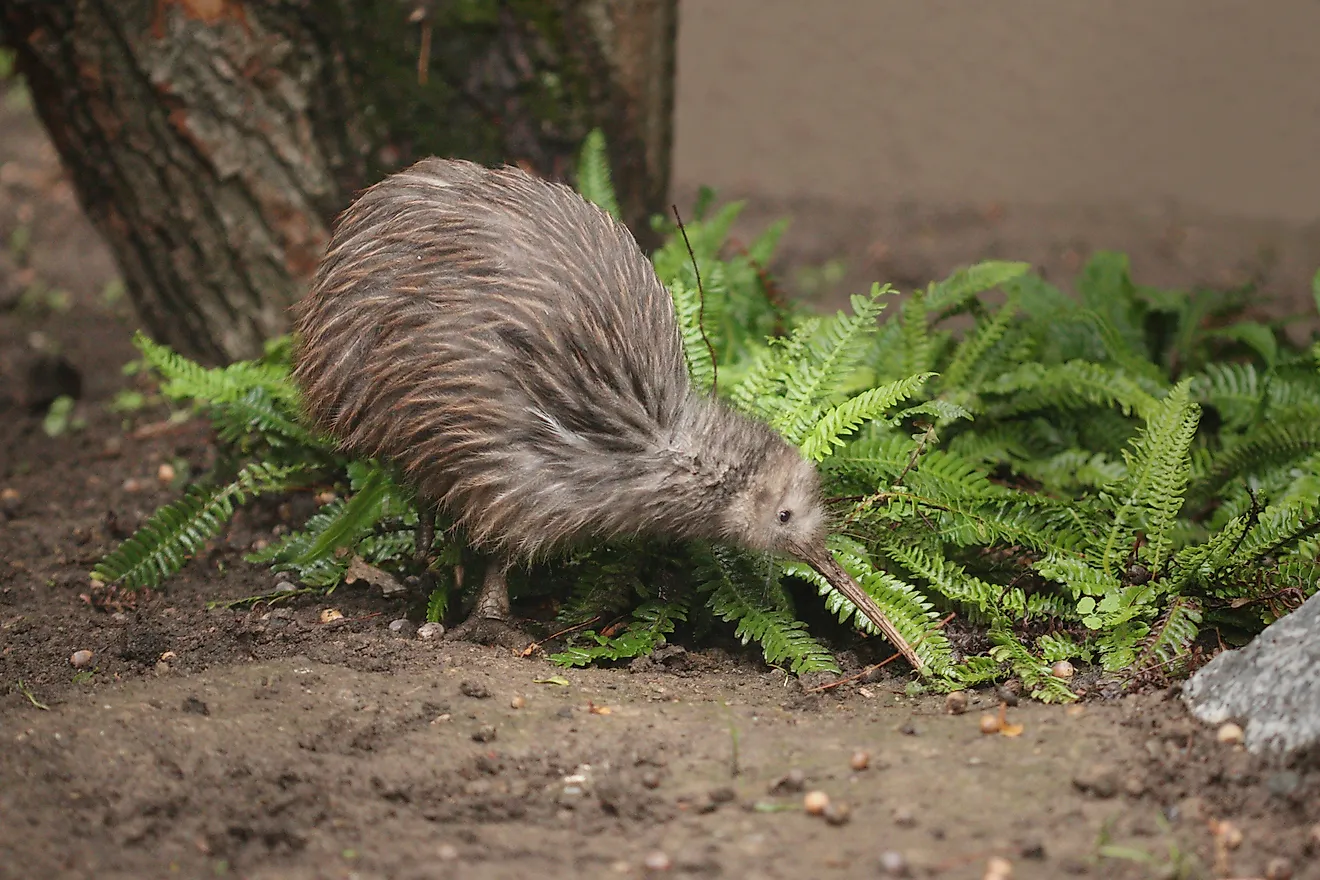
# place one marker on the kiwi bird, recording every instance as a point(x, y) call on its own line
point(509, 347)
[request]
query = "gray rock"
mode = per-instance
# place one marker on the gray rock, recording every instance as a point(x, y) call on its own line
point(1272, 685)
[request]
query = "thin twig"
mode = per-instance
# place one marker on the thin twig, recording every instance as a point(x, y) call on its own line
point(734, 768)
point(883, 663)
point(532, 648)
point(916, 454)
point(32, 698)
point(424, 53)
point(701, 306)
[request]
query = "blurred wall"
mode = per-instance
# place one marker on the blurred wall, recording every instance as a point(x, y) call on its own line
point(909, 137)
point(1209, 103)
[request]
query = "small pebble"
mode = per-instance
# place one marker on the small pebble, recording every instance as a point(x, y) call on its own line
point(1313, 839)
point(165, 474)
point(860, 760)
point(430, 630)
point(484, 734)
point(1098, 780)
point(1278, 868)
point(1062, 669)
point(904, 817)
point(956, 703)
point(1229, 834)
point(194, 706)
point(998, 868)
point(723, 794)
point(837, 813)
point(1032, 849)
point(403, 628)
point(1135, 786)
point(1230, 734)
point(1009, 692)
point(790, 783)
point(517, 701)
point(474, 689)
point(9, 499)
point(907, 728)
point(815, 802)
point(132, 484)
point(446, 852)
point(81, 659)
point(651, 779)
point(1284, 783)
point(657, 861)
point(990, 724)
point(892, 864)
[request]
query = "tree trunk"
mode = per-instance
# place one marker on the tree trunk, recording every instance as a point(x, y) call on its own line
point(213, 142)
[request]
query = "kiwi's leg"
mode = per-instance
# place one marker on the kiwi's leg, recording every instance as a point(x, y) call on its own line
point(489, 621)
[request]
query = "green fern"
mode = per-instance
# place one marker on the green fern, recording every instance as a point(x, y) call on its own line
point(1048, 465)
point(1151, 495)
point(847, 417)
point(734, 596)
point(176, 532)
point(593, 174)
point(651, 623)
point(1034, 672)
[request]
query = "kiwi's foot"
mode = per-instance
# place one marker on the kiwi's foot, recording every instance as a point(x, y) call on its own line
point(490, 631)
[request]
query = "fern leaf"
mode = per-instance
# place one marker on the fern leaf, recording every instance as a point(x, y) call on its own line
point(1172, 634)
point(651, 623)
point(696, 347)
point(1034, 672)
point(833, 350)
point(1269, 445)
point(176, 532)
point(966, 283)
point(1072, 385)
point(1153, 492)
point(856, 411)
point(904, 605)
point(593, 174)
point(358, 516)
point(185, 379)
point(969, 354)
point(783, 638)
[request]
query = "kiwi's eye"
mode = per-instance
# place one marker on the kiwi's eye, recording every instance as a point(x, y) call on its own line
point(785, 515)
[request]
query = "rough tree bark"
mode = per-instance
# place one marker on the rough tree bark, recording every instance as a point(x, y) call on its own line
point(212, 142)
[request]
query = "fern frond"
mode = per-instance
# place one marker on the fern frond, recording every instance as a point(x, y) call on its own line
point(970, 352)
point(947, 578)
point(910, 612)
point(593, 174)
point(1033, 672)
point(177, 531)
point(1171, 635)
point(850, 415)
point(1269, 445)
point(651, 623)
point(783, 638)
point(255, 412)
point(833, 350)
point(185, 379)
point(1071, 385)
point(696, 348)
point(966, 283)
point(1157, 472)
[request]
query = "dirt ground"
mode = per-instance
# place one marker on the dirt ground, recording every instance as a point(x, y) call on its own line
point(261, 743)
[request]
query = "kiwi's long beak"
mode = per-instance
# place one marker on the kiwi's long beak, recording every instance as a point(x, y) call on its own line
point(823, 561)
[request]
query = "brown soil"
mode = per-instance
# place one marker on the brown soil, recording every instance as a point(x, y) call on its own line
point(262, 743)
